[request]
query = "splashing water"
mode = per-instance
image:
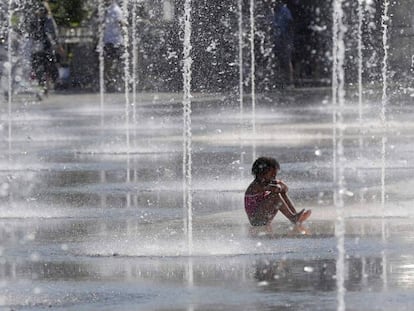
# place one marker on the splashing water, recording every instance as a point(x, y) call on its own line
point(240, 8)
point(360, 61)
point(125, 30)
point(134, 62)
point(135, 78)
point(101, 16)
point(360, 47)
point(187, 139)
point(219, 245)
point(126, 86)
point(338, 95)
point(252, 73)
point(9, 72)
point(384, 100)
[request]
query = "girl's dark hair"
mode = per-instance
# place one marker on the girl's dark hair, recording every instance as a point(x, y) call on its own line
point(262, 164)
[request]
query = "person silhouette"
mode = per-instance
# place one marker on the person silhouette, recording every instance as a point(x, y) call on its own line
point(284, 40)
point(114, 46)
point(266, 195)
point(45, 45)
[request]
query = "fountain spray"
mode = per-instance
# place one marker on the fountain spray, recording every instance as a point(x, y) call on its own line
point(240, 8)
point(126, 70)
point(101, 17)
point(252, 73)
point(134, 79)
point(384, 102)
point(187, 135)
point(360, 62)
point(134, 61)
point(9, 72)
point(338, 95)
point(126, 86)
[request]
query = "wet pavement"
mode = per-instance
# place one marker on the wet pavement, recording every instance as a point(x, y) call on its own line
point(91, 214)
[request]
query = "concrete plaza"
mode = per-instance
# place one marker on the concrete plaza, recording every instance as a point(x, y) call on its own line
point(92, 214)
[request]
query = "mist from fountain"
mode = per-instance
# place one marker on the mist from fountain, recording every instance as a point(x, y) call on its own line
point(360, 13)
point(338, 92)
point(129, 105)
point(160, 242)
point(240, 56)
point(100, 49)
point(384, 98)
point(127, 80)
point(253, 73)
point(135, 78)
point(384, 103)
point(187, 134)
point(338, 96)
point(135, 81)
point(9, 73)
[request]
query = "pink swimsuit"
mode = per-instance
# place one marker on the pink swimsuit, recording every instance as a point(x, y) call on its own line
point(252, 203)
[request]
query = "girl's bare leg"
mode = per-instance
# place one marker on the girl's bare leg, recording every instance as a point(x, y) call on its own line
point(290, 210)
point(286, 208)
point(289, 202)
point(282, 202)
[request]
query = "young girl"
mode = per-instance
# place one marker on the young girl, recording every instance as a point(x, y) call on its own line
point(266, 195)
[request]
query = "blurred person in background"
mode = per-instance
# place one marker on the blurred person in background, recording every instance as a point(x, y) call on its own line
point(113, 39)
point(283, 28)
point(46, 51)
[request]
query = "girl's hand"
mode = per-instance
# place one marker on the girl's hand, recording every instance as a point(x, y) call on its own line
point(275, 188)
point(284, 187)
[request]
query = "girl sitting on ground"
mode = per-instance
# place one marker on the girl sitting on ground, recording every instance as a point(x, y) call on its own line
point(265, 196)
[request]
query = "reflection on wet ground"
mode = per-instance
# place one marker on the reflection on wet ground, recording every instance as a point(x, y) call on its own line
point(88, 224)
point(54, 263)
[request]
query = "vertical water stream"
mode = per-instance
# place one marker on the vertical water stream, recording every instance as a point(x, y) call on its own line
point(101, 18)
point(338, 96)
point(187, 135)
point(384, 102)
point(240, 9)
point(360, 65)
point(127, 79)
point(135, 79)
point(134, 62)
point(100, 49)
point(241, 78)
point(252, 74)
point(10, 77)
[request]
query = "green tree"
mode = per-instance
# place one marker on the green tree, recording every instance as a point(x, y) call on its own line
point(68, 12)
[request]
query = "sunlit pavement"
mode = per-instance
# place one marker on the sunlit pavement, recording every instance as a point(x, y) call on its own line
point(92, 213)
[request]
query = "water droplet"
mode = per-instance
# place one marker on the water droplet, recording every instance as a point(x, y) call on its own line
point(263, 283)
point(34, 257)
point(31, 236)
point(4, 189)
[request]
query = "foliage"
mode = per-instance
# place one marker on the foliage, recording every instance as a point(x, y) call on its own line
point(68, 12)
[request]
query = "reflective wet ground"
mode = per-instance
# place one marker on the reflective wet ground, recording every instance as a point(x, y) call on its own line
point(92, 222)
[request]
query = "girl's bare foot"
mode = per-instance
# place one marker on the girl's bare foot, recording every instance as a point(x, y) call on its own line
point(301, 217)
